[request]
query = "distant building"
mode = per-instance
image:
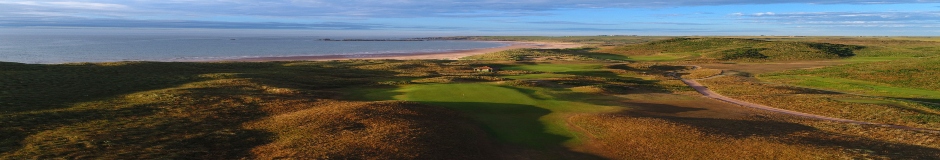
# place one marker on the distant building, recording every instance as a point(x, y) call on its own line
point(485, 69)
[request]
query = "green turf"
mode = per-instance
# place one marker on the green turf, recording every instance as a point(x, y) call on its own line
point(855, 86)
point(556, 67)
point(661, 57)
point(537, 76)
point(867, 101)
point(529, 117)
point(873, 59)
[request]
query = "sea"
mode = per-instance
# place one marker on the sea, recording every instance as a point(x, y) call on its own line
point(69, 48)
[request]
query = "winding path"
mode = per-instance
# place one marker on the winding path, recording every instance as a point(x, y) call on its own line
point(711, 94)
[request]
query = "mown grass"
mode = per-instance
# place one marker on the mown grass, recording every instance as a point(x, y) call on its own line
point(511, 115)
point(914, 78)
point(856, 86)
point(538, 76)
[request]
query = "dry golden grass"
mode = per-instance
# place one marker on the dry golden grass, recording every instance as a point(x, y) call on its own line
point(702, 73)
point(822, 102)
point(758, 68)
point(683, 127)
point(371, 130)
point(144, 110)
point(628, 137)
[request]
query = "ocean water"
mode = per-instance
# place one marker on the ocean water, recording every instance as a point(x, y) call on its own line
point(51, 49)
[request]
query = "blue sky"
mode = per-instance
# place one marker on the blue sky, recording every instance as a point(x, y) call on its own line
point(492, 17)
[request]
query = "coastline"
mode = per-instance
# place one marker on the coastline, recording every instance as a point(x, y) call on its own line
point(448, 55)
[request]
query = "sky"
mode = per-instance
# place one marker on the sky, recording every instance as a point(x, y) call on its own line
point(490, 17)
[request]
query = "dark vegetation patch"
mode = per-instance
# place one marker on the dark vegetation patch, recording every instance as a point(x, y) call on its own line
point(588, 40)
point(575, 54)
point(744, 53)
point(738, 49)
point(158, 110)
point(365, 130)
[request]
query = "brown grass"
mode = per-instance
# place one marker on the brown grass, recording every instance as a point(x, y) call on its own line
point(650, 138)
point(371, 130)
point(702, 73)
point(821, 102)
point(758, 68)
point(681, 127)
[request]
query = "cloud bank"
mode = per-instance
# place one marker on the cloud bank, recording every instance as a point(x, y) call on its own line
point(497, 15)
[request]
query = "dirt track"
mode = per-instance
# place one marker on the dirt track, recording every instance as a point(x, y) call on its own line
point(711, 94)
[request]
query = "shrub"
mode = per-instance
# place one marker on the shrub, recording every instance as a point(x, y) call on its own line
point(744, 53)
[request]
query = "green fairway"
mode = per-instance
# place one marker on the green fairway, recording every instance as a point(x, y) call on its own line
point(563, 70)
point(529, 117)
point(874, 59)
point(855, 86)
point(537, 76)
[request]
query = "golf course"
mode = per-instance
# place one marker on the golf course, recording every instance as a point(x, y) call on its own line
point(624, 97)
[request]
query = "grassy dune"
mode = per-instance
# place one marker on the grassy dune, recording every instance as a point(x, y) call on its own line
point(214, 111)
point(734, 49)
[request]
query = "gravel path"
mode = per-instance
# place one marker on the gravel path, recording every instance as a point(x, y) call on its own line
point(711, 94)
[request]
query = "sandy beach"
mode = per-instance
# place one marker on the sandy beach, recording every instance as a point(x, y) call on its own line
point(451, 55)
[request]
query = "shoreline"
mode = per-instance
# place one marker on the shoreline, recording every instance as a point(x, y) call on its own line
point(446, 55)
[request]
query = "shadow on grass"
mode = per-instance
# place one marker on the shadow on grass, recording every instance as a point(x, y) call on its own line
point(777, 130)
point(42, 87)
point(934, 103)
point(518, 125)
point(605, 74)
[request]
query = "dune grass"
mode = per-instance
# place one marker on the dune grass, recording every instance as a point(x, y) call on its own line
point(661, 57)
point(733, 49)
point(157, 110)
point(825, 103)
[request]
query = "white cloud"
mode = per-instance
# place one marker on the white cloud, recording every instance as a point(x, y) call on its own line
point(848, 19)
point(765, 13)
point(71, 5)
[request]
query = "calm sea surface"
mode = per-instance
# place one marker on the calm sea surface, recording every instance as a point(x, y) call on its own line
point(104, 48)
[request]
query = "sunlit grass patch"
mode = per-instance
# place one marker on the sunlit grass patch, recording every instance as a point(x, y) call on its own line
point(538, 76)
point(523, 116)
point(856, 86)
point(660, 57)
point(557, 67)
